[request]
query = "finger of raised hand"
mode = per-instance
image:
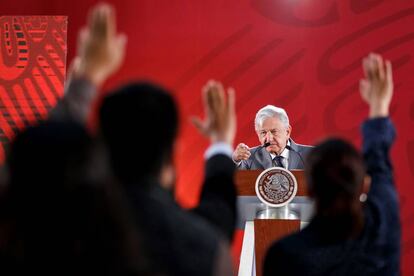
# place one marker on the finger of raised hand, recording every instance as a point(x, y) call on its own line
point(212, 99)
point(110, 21)
point(380, 67)
point(206, 98)
point(364, 87)
point(366, 67)
point(94, 20)
point(82, 41)
point(388, 72)
point(100, 20)
point(231, 102)
point(374, 62)
point(215, 104)
point(199, 125)
point(120, 45)
point(216, 96)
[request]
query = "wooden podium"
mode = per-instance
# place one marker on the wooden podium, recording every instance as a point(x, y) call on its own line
point(261, 233)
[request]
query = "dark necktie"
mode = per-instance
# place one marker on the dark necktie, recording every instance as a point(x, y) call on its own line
point(278, 161)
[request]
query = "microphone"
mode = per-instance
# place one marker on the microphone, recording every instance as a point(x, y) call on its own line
point(295, 151)
point(265, 145)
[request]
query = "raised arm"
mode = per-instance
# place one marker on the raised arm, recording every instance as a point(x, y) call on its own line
point(100, 54)
point(219, 124)
point(218, 196)
point(378, 132)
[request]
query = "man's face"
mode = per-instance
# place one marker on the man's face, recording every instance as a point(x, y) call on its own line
point(274, 131)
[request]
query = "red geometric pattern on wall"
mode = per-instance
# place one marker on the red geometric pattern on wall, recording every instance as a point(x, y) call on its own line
point(32, 71)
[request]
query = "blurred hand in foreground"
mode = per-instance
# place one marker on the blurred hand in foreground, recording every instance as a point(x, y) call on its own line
point(101, 49)
point(377, 86)
point(220, 116)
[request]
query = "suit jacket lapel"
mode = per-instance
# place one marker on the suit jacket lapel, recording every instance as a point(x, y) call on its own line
point(294, 159)
point(264, 158)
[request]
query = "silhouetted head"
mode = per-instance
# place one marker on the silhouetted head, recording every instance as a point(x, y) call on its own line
point(50, 153)
point(55, 217)
point(336, 178)
point(139, 124)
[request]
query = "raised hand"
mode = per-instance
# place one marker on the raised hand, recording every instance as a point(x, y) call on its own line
point(101, 49)
point(242, 152)
point(377, 86)
point(220, 116)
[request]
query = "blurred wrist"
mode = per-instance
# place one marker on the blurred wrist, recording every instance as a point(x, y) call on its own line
point(222, 139)
point(96, 78)
point(379, 110)
point(218, 148)
point(92, 73)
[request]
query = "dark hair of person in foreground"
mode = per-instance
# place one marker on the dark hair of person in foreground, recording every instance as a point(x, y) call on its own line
point(139, 123)
point(56, 217)
point(334, 175)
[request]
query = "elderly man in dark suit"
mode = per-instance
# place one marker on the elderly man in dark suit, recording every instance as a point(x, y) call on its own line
point(277, 149)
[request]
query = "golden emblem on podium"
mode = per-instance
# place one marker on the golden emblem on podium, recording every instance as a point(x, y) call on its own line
point(276, 187)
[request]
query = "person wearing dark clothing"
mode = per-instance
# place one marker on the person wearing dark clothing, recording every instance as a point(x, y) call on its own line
point(354, 232)
point(139, 123)
point(376, 250)
point(58, 219)
point(62, 212)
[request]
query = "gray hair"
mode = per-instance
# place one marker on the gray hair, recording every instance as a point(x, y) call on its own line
point(271, 111)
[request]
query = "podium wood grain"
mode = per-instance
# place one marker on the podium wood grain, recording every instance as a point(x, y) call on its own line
point(266, 232)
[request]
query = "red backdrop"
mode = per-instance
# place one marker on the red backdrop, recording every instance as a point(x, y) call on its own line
point(302, 55)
